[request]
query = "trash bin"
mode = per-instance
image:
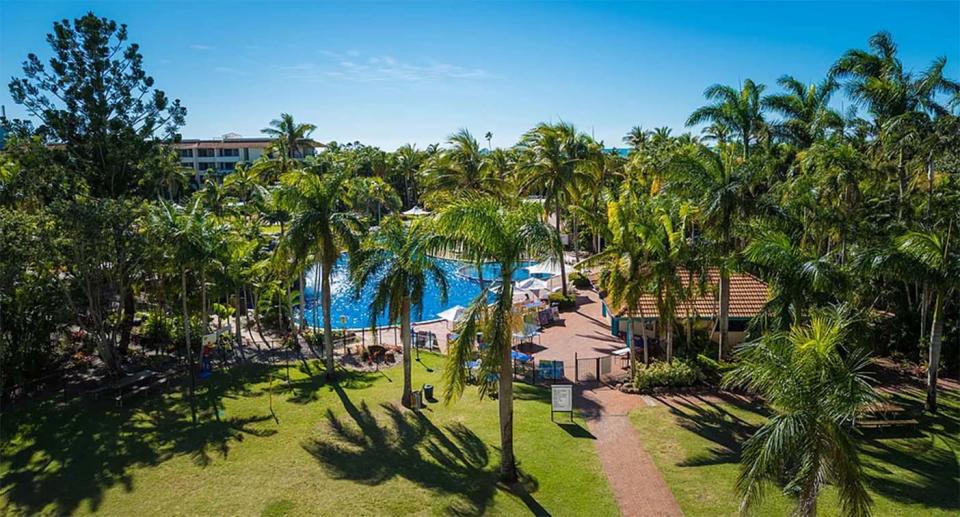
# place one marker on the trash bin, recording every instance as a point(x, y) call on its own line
point(428, 392)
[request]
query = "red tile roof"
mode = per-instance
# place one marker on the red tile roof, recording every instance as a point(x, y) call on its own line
point(748, 296)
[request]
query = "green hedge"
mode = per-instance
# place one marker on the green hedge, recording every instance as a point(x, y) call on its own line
point(579, 280)
point(679, 373)
point(564, 303)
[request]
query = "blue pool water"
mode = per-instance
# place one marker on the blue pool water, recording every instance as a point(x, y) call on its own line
point(462, 288)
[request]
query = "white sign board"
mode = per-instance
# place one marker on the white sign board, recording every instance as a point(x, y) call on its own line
point(562, 397)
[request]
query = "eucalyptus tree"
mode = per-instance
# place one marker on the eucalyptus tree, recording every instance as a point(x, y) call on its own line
point(322, 223)
point(507, 236)
point(740, 111)
point(806, 109)
point(551, 159)
point(396, 260)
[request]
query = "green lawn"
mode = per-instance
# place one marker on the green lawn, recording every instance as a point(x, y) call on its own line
point(331, 450)
point(695, 445)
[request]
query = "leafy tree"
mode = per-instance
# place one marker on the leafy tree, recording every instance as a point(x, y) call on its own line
point(806, 110)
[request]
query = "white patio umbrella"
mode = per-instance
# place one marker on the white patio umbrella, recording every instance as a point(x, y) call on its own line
point(452, 314)
point(416, 212)
point(547, 267)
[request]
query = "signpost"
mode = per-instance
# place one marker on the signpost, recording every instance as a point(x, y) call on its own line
point(561, 400)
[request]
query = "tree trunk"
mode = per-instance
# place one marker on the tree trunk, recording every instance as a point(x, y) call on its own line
point(724, 313)
point(936, 334)
point(327, 327)
point(203, 301)
point(508, 465)
point(406, 338)
point(643, 338)
point(633, 354)
point(303, 301)
point(186, 335)
point(669, 340)
point(239, 332)
point(563, 266)
point(129, 309)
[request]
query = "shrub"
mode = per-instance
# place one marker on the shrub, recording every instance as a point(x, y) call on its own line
point(676, 374)
point(564, 303)
point(712, 370)
point(579, 280)
point(157, 327)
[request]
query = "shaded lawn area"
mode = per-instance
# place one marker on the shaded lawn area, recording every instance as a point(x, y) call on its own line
point(695, 442)
point(332, 449)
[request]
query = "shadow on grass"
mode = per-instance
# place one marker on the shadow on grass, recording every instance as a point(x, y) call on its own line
point(451, 460)
point(918, 465)
point(726, 431)
point(56, 456)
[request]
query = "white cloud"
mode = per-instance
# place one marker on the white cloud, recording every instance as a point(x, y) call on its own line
point(351, 66)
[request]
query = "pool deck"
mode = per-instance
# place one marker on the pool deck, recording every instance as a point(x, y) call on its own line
point(584, 333)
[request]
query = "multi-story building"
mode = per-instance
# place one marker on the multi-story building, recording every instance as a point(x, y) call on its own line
point(223, 154)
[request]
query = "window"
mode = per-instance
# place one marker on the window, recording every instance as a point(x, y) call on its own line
point(186, 153)
point(229, 152)
point(225, 166)
point(188, 165)
point(205, 153)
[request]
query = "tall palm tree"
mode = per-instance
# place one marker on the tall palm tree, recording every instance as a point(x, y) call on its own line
point(722, 189)
point(321, 223)
point(739, 110)
point(552, 158)
point(293, 136)
point(508, 236)
point(806, 110)
point(489, 138)
point(933, 257)
point(396, 259)
point(816, 383)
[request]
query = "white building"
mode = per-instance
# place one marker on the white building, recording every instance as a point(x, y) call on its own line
point(223, 154)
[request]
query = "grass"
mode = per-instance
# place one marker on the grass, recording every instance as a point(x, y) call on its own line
point(695, 444)
point(325, 449)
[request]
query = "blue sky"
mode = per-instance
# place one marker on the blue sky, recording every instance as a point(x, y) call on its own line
point(393, 73)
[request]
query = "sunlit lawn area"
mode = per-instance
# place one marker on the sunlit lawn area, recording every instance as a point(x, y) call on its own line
point(337, 450)
point(695, 446)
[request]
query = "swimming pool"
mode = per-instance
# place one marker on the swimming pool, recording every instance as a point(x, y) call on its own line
point(462, 288)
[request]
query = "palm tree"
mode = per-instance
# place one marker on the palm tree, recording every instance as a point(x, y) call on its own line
point(507, 236)
point(396, 259)
point(806, 110)
point(636, 138)
point(740, 111)
point(722, 189)
point(552, 156)
point(322, 224)
point(933, 258)
point(180, 230)
point(489, 138)
point(291, 135)
point(816, 384)
point(624, 271)
point(458, 171)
